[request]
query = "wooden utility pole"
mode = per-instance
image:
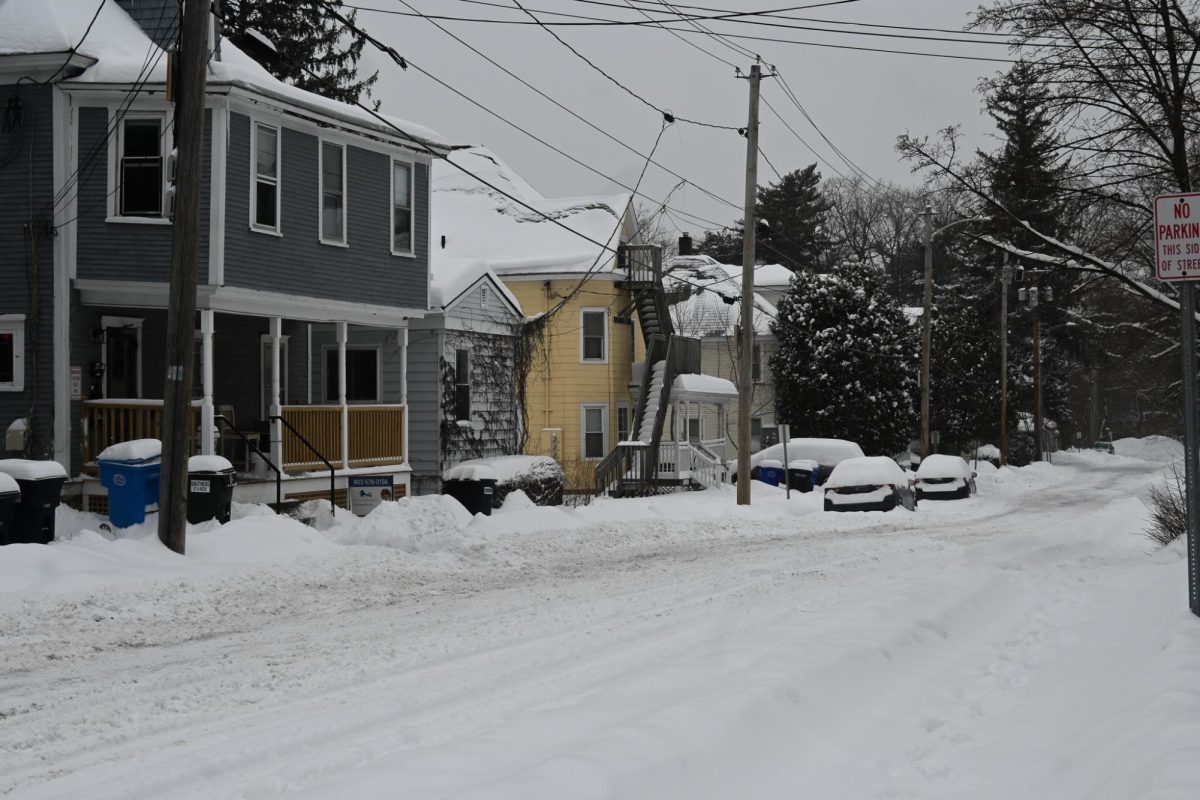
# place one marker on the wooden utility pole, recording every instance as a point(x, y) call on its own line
point(745, 373)
point(181, 323)
point(927, 332)
point(1005, 280)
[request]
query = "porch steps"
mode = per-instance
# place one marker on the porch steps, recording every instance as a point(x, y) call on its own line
point(650, 408)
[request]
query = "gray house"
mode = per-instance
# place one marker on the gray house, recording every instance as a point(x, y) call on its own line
point(463, 363)
point(314, 253)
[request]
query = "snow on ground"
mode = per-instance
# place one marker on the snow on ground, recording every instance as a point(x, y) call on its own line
point(1026, 642)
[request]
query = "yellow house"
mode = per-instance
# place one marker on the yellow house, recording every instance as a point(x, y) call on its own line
point(559, 258)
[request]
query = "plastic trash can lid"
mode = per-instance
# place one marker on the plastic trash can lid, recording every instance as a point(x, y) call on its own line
point(803, 463)
point(209, 464)
point(770, 463)
point(26, 470)
point(136, 451)
point(8, 485)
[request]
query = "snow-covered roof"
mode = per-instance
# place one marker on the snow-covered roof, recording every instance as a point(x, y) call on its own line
point(481, 224)
point(123, 53)
point(453, 277)
point(695, 385)
point(768, 276)
point(712, 305)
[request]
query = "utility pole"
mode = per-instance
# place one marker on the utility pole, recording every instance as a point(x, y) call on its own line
point(1006, 274)
point(181, 322)
point(1037, 374)
point(927, 332)
point(745, 374)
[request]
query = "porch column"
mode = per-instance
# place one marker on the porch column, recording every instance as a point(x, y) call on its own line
point(208, 436)
point(404, 384)
point(343, 333)
point(276, 409)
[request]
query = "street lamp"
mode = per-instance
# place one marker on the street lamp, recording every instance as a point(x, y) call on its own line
point(927, 320)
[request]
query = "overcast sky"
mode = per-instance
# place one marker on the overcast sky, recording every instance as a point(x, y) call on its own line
point(861, 100)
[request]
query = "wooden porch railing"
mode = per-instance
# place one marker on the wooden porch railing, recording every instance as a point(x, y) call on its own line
point(108, 422)
point(376, 436)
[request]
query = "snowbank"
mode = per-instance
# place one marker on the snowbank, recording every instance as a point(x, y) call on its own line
point(1156, 449)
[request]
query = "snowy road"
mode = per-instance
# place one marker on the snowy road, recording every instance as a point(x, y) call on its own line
point(1020, 644)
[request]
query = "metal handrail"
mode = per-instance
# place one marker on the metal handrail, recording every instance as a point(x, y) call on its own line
point(317, 453)
point(253, 448)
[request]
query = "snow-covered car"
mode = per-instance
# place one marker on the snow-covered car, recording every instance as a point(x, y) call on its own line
point(827, 453)
point(944, 477)
point(868, 483)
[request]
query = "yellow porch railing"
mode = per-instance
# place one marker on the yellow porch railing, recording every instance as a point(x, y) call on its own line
point(376, 436)
point(108, 422)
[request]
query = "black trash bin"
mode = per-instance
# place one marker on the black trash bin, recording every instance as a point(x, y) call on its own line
point(802, 474)
point(10, 497)
point(472, 485)
point(41, 485)
point(210, 489)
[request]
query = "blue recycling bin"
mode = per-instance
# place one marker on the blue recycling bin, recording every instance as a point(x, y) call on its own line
point(130, 472)
point(771, 472)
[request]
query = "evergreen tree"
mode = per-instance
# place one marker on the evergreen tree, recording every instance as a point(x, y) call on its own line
point(845, 363)
point(1026, 175)
point(313, 51)
point(791, 230)
point(794, 212)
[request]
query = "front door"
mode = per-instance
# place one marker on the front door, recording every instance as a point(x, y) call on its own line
point(122, 362)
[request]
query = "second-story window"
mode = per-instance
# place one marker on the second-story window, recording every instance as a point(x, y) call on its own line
point(265, 194)
point(141, 167)
point(333, 193)
point(757, 364)
point(402, 208)
point(594, 346)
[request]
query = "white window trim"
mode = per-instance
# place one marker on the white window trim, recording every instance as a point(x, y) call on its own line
point(120, 322)
point(345, 240)
point(277, 230)
point(117, 140)
point(378, 374)
point(15, 324)
point(412, 207)
point(583, 409)
point(605, 343)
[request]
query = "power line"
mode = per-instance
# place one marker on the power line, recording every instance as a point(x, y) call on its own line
point(666, 114)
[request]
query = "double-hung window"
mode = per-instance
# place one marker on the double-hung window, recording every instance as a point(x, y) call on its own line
point(12, 352)
point(462, 384)
point(595, 429)
point(264, 196)
point(402, 208)
point(594, 335)
point(140, 169)
point(333, 193)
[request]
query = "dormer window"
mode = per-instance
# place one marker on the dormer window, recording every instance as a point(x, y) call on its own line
point(140, 170)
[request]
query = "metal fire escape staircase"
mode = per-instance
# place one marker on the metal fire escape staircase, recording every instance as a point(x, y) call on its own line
point(632, 467)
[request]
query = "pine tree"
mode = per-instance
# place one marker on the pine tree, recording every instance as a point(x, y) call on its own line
point(1026, 175)
point(313, 51)
point(846, 363)
point(791, 231)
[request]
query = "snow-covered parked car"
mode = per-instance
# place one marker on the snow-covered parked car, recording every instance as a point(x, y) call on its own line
point(827, 453)
point(868, 483)
point(944, 477)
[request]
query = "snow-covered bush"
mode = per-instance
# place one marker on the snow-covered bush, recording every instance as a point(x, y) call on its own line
point(539, 477)
point(846, 366)
point(1168, 508)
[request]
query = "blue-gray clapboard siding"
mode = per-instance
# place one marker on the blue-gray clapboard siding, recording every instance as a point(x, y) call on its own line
point(424, 408)
point(129, 251)
point(26, 195)
point(158, 18)
point(296, 262)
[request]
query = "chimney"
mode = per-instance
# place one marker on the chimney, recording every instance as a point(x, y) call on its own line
point(685, 245)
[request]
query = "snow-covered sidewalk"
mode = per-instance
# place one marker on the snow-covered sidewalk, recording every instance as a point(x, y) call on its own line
point(1024, 643)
